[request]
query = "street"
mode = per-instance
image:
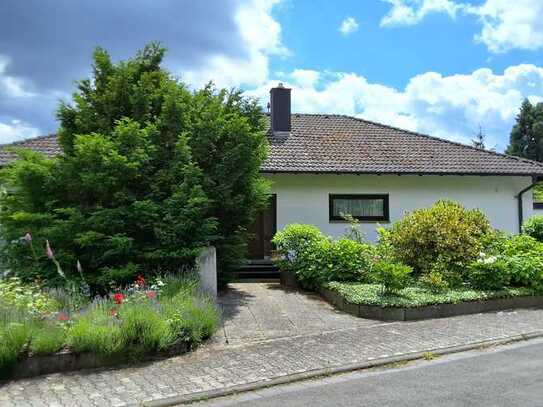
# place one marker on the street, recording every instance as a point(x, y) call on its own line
point(509, 375)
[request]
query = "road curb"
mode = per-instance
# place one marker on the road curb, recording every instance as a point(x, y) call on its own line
point(311, 374)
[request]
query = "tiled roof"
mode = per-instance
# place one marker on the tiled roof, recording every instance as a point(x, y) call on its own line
point(47, 145)
point(322, 143)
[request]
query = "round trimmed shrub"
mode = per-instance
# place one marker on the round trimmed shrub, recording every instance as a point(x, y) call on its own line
point(534, 227)
point(446, 231)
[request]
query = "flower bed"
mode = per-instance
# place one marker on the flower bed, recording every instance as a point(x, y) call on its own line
point(71, 331)
point(416, 303)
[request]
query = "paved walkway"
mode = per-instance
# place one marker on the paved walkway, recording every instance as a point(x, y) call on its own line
point(271, 350)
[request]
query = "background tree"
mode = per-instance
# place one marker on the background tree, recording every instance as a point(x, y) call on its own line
point(150, 172)
point(527, 135)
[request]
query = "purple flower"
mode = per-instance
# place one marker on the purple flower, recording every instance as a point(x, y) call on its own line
point(48, 250)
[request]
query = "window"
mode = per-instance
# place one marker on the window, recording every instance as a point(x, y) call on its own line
point(361, 207)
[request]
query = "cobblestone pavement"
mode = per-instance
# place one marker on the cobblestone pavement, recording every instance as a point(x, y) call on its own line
point(267, 353)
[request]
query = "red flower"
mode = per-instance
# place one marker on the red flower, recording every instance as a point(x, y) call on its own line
point(63, 317)
point(118, 298)
point(151, 294)
point(140, 281)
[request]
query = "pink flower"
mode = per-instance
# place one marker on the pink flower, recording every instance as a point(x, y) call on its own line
point(63, 317)
point(27, 238)
point(151, 294)
point(48, 250)
point(118, 298)
point(79, 268)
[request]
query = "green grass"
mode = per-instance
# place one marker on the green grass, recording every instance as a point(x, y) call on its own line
point(411, 297)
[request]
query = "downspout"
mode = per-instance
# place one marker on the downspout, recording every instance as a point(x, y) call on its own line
point(535, 181)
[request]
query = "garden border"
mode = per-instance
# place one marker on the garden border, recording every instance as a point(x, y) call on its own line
point(67, 361)
point(429, 311)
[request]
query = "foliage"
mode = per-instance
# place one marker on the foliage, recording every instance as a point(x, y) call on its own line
point(527, 135)
point(150, 172)
point(446, 231)
point(526, 270)
point(534, 227)
point(27, 297)
point(347, 260)
point(489, 273)
point(416, 296)
point(301, 249)
point(434, 281)
point(145, 317)
point(353, 231)
point(391, 276)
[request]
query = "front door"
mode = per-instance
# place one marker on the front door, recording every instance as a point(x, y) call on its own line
point(262, 231)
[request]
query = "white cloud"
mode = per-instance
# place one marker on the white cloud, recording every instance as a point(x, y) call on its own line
point(15, 130)
point(11, 86)
point(510, 24)
point(411, 12)
point(506, 24)
point(450, 107)
point(262, 36)
point(348, 26)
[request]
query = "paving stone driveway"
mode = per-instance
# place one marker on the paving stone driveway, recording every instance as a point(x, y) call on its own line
point(255, 312)
point(266, 343)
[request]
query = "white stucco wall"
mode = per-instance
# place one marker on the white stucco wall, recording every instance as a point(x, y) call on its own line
point(304, 198)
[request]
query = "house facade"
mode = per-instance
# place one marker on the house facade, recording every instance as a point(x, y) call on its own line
point(324, 166)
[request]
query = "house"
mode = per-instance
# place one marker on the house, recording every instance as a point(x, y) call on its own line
point(323, 165)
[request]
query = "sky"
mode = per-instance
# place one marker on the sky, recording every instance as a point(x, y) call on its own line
point(439, 67)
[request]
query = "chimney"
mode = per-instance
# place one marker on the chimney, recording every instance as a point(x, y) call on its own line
point(280, 110)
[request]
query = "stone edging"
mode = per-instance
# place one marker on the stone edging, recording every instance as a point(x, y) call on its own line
point(67, 361)
point(429, 311)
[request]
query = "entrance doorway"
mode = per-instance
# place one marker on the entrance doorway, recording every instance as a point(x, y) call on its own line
point(262, 232)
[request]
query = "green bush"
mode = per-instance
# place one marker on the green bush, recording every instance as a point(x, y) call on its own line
point(526, 270)
point(392, 276)
point(435, 281)
point(150, 172)
point(489, 273)
point(445, 231)
point(346, 260)
point(534, 227)
point(302, 250)
point(520, 244)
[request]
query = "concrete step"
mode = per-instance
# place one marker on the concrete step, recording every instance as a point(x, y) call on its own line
point(255, 270)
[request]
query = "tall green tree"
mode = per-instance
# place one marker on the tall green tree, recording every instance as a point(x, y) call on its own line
point(150, 172)
point(527, 135)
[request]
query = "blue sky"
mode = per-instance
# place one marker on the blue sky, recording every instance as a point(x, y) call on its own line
point(441, 67)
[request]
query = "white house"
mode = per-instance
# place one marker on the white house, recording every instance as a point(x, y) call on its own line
point(323, 165)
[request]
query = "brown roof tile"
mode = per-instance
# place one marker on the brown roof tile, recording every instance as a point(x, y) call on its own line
point(342, 144)
point(322, 143)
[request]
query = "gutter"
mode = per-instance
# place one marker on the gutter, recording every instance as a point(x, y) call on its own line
point(535, 181)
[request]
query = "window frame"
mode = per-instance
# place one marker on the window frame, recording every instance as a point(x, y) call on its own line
point(386, 210)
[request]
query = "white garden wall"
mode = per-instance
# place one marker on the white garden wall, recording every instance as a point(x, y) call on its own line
point(304, 198)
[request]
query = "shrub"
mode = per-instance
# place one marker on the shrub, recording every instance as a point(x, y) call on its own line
point(150, 172)
point(392, 276)
point(434, 281)
point(521, 244)
point(26, 297)
point(445, 231)
point(347, 260)
point(526, 270)
point(534, 227)
point(303, 250)
point(488, 273)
